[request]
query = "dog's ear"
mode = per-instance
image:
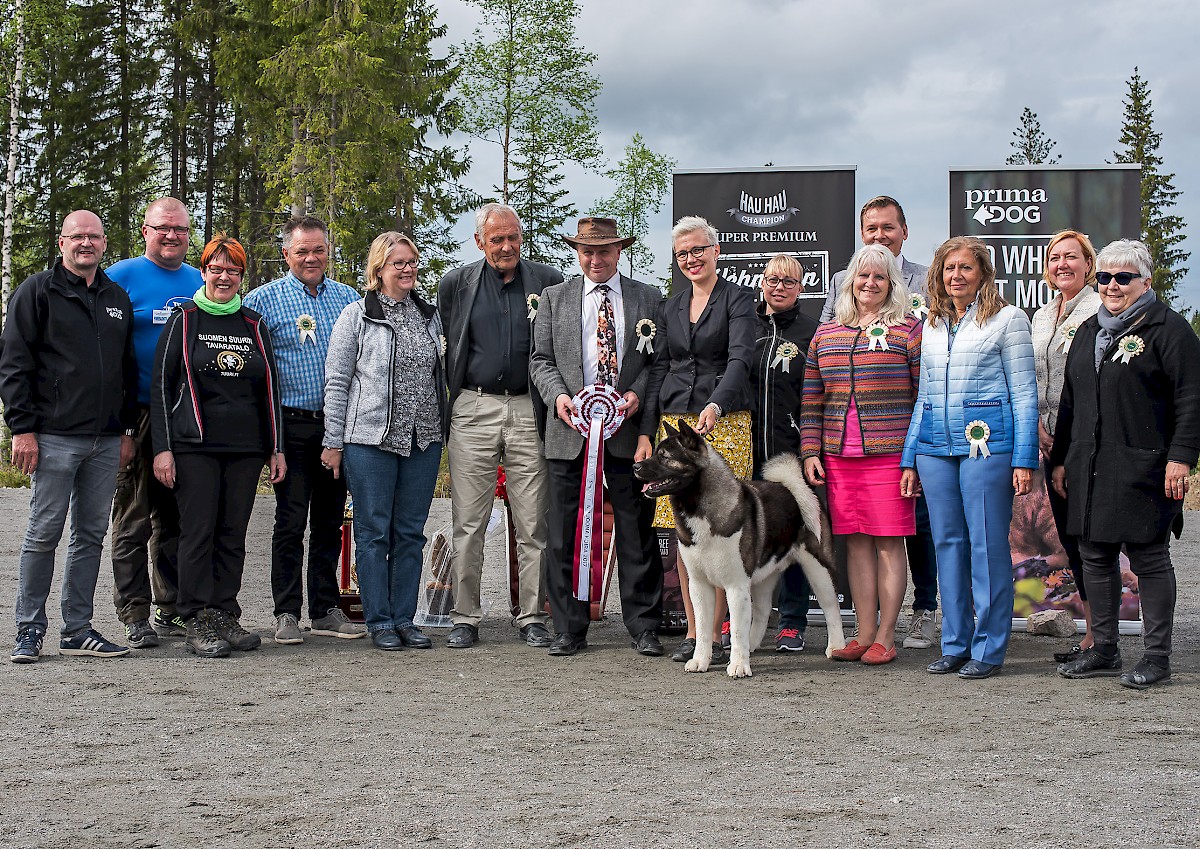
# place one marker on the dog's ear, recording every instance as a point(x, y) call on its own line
point(670, 431)
point(689, 437)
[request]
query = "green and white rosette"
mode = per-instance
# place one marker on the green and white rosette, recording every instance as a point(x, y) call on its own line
point(978, 434)
point(307, 325)
point(918, 306)
point(1066, 335)
point(1129, 348)
point(784, 354)
point(645, 331)
point(532, 301)
point(877, 337)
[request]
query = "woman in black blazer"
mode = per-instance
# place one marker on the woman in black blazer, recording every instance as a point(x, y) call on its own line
point(703, 349)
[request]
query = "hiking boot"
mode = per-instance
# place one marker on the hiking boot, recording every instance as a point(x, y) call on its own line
point(287, 630)
point(90, 644)
point(28, 648)
point(336, 623)
point(920, 630)
point(232, 632)
point(168, 624)
point(202, 638)
point(789, 639)
point(141, 634)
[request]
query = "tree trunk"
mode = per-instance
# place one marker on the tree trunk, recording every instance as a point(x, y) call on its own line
point(210, 138)
point(10, 175)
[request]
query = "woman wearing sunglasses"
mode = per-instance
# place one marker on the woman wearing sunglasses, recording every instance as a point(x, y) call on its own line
point(1128, 434)
point(385, 397)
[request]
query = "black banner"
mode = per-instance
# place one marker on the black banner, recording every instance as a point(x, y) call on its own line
point(1017, 209)
point(760, 212)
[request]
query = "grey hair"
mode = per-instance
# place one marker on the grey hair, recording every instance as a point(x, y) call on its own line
point(692, 223)
point(488, 210)
point(1126, 252)
point(874, 257)
point(303, 222)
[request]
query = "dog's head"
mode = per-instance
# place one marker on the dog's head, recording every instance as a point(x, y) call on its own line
point(674, 464)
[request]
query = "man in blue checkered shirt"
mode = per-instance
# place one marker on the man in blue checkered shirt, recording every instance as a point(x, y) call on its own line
point(300, 310)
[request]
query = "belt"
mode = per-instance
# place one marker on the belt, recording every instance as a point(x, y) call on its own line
point(479, 390)
point(314, 415)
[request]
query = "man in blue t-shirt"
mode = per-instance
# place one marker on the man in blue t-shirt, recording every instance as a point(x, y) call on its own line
point(145, 521)
point(300, 310)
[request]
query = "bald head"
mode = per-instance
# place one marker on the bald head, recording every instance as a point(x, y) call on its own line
point(82, 243)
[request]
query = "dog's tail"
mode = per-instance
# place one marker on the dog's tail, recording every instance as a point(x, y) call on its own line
point(786, 469)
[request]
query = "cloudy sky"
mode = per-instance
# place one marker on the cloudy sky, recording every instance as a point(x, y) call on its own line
point(902, 91)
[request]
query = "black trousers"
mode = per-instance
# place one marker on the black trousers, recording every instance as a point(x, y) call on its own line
point(215, 494)
point(309, 496)
point(1151, 563)
point(1070, 544)
point(639, 568)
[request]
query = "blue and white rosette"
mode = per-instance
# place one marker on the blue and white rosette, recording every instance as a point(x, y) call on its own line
point(1128, 348)
point(978, 434)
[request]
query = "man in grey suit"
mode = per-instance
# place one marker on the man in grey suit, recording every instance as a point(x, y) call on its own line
point(487, 310)
point(567, 355)
point(881, 221)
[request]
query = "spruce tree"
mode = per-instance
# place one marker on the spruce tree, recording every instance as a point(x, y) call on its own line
point(1031, 145)
point(642, 179)
point(1161, 231)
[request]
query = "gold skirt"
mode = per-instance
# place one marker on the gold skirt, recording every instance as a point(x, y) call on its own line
point(732, 440)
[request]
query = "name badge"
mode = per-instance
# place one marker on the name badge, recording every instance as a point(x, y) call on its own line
point(161, 316)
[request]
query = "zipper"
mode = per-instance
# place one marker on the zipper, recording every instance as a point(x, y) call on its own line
point(950, 337)
point(768, 422)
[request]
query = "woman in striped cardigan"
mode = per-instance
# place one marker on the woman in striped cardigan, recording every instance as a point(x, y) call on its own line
point(860, 382)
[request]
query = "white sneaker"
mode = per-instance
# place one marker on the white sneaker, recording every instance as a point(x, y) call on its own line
point(287, 630)
point(920, 630)
point(337, 624)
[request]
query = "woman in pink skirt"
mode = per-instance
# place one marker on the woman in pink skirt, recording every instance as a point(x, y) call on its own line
point(860, 383)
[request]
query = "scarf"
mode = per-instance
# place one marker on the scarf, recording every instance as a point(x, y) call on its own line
point(212, 307)
point(1112, 326)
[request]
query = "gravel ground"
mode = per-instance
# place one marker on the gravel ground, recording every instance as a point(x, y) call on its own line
point(335, 744)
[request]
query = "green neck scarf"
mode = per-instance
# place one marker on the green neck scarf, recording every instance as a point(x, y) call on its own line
point(212, 307)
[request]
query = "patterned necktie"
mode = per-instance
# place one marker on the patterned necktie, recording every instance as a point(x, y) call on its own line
point(606, 340)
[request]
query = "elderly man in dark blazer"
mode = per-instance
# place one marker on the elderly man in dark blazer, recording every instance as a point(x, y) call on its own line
point(487, 310)
point(567, 356)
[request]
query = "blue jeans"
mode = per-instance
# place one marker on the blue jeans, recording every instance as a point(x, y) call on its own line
point(80, 473)
point(970, 510)
point(391, 495)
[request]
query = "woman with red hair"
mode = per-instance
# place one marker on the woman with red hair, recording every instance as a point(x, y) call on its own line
point(215, 407)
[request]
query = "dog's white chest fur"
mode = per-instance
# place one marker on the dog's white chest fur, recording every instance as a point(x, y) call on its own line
point(719, 558)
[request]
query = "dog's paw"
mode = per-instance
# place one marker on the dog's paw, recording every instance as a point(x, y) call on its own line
point(834, 646)
point(738, 669)
point(829, 650)
point(694, 665)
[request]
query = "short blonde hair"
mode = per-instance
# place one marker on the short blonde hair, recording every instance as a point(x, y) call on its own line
point(784, 265)
point(1088, 251)
point(873, 257)
point(378, 254)
point(941, 307)
point(693, 224)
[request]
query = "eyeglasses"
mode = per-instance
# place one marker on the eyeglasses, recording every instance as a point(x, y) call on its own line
point(1123, 278)
point(773, 282)
point(166, 231)
point(218, 270)
point(696, 253)
point(79, 238)
point(401, 264)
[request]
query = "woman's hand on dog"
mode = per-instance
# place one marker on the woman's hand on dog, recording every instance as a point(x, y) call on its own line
point(910, 484)
point(814, 472)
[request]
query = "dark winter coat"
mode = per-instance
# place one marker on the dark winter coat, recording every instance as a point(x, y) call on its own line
point(1118, 429)
point(778, 393)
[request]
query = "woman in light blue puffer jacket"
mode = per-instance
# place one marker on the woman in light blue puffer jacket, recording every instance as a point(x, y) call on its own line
point(973, 444)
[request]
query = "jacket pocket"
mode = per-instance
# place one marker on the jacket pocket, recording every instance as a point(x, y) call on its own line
point(992, 413)
point(925, 432)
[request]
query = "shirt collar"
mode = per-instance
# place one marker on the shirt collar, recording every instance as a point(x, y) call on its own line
point(296, 282)
point(613, 283)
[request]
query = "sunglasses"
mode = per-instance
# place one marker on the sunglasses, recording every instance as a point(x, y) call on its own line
point(1123, 278)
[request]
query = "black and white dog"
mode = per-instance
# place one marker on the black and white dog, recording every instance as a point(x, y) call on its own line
point(741, 536)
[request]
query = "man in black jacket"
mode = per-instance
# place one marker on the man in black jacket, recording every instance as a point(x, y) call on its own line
point(487, 310)
point(68, 380)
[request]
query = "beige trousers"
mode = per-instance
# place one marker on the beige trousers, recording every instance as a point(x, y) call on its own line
point(486, 430)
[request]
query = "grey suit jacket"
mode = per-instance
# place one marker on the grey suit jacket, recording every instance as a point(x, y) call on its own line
point(914, 279)
point(556, 365)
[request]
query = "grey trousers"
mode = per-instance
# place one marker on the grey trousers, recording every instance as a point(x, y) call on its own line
point(1156, 585)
